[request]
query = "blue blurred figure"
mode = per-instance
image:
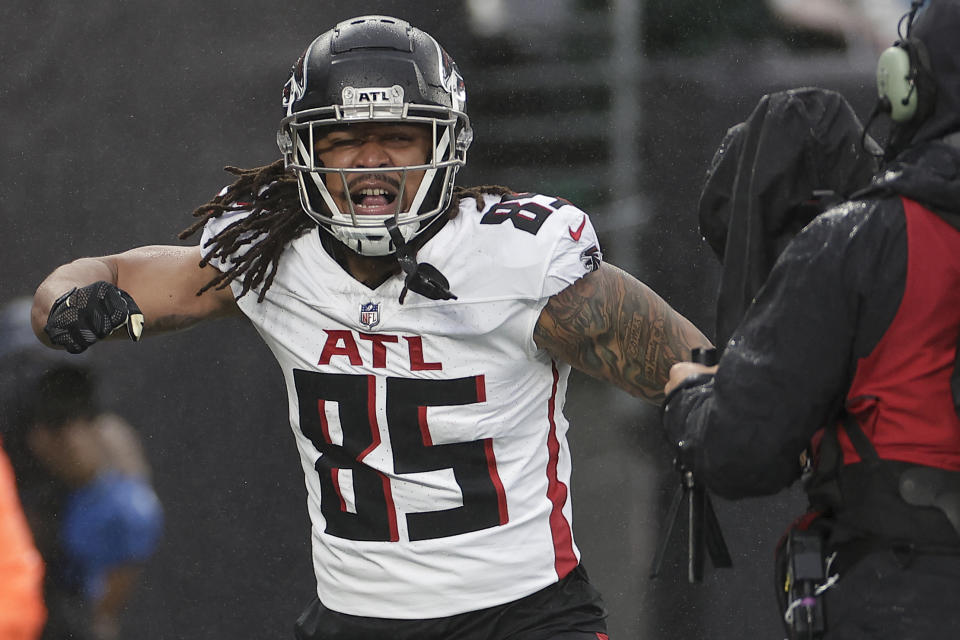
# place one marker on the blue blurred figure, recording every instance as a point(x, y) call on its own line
point(83, 481)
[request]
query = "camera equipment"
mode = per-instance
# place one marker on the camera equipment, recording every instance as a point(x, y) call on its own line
point(703, 528)
point(803, 582)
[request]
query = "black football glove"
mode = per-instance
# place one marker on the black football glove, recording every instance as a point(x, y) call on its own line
point(82, 316)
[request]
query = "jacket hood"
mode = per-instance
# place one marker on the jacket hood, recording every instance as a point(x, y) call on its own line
point(928, 173)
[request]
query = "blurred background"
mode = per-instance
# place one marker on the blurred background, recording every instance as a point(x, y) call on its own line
point(118, 116)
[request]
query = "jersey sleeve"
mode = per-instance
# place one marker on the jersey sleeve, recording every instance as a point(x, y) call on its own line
point(214, 227)
point(576, 251)
point(218, 225)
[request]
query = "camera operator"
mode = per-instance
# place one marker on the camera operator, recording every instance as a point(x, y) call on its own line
point(844, 370)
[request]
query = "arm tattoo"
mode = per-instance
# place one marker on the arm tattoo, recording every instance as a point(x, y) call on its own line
point(613, 327)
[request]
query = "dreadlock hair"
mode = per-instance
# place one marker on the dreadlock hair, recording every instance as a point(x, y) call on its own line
point(276, 218)
point(270, 193)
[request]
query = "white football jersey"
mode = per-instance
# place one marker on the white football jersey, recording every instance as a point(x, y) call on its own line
point(431, 433)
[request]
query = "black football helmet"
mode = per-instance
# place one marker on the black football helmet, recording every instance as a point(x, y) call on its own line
point(374, 69)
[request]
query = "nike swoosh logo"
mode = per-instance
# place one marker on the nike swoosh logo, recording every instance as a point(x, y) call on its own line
point(576, 234)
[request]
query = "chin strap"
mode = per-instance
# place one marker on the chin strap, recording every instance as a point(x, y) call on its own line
point(422, 278)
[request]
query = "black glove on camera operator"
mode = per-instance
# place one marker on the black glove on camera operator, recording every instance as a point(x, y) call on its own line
point(684, 435)
point(82, 316)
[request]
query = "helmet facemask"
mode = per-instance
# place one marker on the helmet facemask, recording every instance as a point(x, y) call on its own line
point(366, 234)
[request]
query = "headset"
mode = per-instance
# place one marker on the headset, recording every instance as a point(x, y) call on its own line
point(905, 83)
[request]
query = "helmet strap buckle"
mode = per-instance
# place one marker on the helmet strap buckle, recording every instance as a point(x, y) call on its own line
point(421, 277)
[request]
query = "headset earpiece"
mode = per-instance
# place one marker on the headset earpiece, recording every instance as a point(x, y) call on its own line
point(896, 82)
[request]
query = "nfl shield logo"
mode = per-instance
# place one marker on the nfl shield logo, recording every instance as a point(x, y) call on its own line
point(370, 314)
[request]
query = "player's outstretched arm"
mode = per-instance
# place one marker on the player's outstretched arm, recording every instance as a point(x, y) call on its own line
point(611, 326)
point(161, 282)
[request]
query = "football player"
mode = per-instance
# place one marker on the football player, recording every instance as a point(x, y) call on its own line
point(425, 332)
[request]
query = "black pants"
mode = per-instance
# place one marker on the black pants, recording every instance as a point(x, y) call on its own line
point(889, 595)
point(568, 610)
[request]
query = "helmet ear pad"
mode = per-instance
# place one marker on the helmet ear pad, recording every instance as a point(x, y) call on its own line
point(905, 84)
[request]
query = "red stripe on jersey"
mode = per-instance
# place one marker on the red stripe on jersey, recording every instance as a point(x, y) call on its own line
point(424, 429)
point(391, 510)
point(495, 478)
point(481, 388)
point(324, 426)
point(602, 636)
point(371, 417)
point(335, 474)
point(375, 442)
point(335, 471)
point(565, 560)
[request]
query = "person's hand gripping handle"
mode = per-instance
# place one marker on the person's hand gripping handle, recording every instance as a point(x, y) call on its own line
point(702, 361)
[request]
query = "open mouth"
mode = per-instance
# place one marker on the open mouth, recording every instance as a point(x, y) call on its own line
point(374, 197)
